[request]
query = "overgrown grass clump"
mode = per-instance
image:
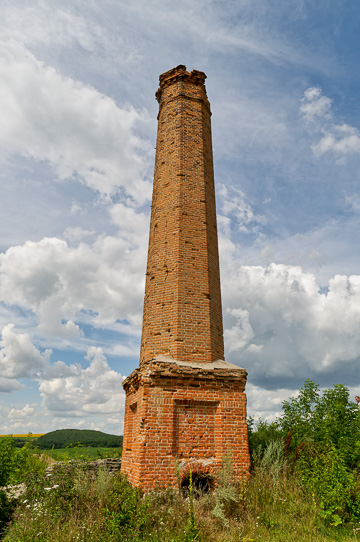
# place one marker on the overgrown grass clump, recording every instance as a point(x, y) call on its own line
point(304, 486)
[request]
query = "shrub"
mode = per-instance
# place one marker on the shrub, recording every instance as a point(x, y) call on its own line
point(127, 510)
point(7, 453)
point(16, 462)
point(330, 417)
point(322, 469)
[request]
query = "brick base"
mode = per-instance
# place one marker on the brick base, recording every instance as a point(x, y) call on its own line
point(189, 414)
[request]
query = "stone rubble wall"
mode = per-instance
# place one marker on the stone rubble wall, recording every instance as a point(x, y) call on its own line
point(111, 465)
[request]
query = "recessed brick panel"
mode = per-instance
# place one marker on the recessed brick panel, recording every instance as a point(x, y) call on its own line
point(194, 429)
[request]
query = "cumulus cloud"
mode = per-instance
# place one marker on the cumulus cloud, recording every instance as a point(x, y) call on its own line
point(18, 356)
point(77, 234)
point(67, 390)
point(240, 334)
point(95, 390)
point(21, 413)
point(7, 385)
point(57, 281)
point(339, 139)
point(266, 404)
point(283, 330)
point(83, 134)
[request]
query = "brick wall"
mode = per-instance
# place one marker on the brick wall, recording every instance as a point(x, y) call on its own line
point(190, 415)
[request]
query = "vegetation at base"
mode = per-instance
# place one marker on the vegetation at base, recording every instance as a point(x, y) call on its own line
point(15, 463)
point(62, 438)
point(319, 439)
point(14, 466)
point(304, 486)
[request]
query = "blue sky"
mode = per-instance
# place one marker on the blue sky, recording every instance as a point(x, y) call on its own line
point(77, 142)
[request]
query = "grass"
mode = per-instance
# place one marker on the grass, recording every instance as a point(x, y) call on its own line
point(73, 506)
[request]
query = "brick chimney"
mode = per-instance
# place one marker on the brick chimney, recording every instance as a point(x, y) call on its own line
point(184, 402)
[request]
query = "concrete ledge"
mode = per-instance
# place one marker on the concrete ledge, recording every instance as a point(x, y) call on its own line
point(218, 364)
point(165, 366)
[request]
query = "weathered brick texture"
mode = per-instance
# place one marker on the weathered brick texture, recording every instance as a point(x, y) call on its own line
point(182, 307)
point(183, 403)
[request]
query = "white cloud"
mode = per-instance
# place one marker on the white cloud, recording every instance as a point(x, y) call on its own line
point(66, 390)
point(132, 224)
point(283, 330)
point(18, 356)
point(339, 139)
point(277, 323)
point(74, 235)
point(266, 404)
point(95, 390)
point(21, 413)
point(233, 203)
point(241, 333)
point(26, 24)
point(57, 281)
point(7, 385)
point(82, 133)
point(315, 106)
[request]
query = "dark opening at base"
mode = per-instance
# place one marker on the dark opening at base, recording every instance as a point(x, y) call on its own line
point(201, 481)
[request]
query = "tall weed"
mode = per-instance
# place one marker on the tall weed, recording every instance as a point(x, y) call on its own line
point(227, 494)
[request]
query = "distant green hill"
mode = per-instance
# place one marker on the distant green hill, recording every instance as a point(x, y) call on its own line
point(62, 438)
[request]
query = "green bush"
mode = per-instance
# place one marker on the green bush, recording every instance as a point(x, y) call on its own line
point(127, 511)
point(333, 487)
point(191, 533)
point(16, 462)
point(227, 494)
point(7, 458)
point(323, 440)
point(330, 417)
